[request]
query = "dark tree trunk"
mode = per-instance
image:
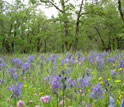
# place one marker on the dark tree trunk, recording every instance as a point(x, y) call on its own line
point(38, 45)
point(13, 44)
point(77, 26)
point(45, 45)
point(30, 47)
point(119, 42)
point(24, 51)
point(65, 25)
point(120, 10)
point(122, 17)
point(113, 43)
point(63, 48)
point(3, 45)
point(15, 34)
point(7, 46)
point(65, 34)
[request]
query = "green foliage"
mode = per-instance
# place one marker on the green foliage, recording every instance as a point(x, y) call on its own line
point(24, 28)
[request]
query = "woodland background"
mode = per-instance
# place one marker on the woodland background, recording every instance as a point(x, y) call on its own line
point(89, 25)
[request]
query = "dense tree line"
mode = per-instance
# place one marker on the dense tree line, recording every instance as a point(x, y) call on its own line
point(81, 25)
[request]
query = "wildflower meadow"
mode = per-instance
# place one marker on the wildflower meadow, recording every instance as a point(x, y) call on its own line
point(62, 80)
point(61, 53)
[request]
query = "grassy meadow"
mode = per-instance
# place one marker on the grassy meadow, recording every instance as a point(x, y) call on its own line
point(62, 80)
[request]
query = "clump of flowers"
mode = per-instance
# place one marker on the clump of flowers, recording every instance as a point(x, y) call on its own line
point(20, 104)
point(97, 91)
point(45, 99)
point(13, 73)
point(16, 90)
point(61, 102)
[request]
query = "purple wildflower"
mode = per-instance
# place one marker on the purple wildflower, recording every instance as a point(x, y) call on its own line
point(97, 91)
point(13, 73)
point(122, 103)
point(16, 90)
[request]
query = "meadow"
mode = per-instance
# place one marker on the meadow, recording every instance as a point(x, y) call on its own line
point(91, 79)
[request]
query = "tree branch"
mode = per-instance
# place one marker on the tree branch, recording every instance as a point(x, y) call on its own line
point(55, 6)
point(77, 25)
point(78, 18)
point(99, 34)
point(79, 14)
point(66, 1)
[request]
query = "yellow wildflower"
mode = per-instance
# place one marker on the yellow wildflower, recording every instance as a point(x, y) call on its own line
point(92, 105)
point(41, 93)
point(25, 85)
point(120, 97)
point(101, 82)
point(119, 91)
point(121, 69)
point(114, 70)
point(117, 81)
point(113, 64)
point(118, 102)
point(108, 79)
point(100, 78)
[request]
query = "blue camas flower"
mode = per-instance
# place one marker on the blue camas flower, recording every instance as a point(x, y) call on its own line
point(16, 90)
point(112, 102)
point(97, 91)
point(122, 103)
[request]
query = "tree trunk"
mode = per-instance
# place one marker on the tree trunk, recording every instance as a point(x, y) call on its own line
point(65, 34)
point(77, 26)
point(7, 46)
point(45, 45)
point(65, 25)
point(13, 44)
point(64, 21)
point(63, 48)
point(3, 45)
point(38, 45)
point(120, 10)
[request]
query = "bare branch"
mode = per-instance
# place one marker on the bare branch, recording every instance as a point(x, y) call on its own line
point(79, 13)
point(55, 6)
point(78, 18)
point(66, 1)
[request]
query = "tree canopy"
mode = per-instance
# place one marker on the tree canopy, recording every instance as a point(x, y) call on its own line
point(80, 25)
